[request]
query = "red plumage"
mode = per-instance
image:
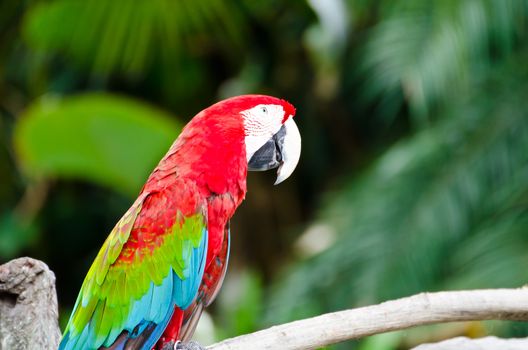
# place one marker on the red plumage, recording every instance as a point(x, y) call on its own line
point(210, 151)
point(157, 257)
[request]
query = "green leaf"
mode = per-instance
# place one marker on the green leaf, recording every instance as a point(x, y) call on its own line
point(110, 140)
point(130, 36)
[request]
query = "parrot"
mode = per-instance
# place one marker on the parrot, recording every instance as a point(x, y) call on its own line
point(166, 258)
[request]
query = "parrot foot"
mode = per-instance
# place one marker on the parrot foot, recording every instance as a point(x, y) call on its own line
point(169, 345)
point(192, 345)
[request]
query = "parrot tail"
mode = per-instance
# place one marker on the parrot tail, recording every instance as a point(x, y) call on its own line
point(140, 339)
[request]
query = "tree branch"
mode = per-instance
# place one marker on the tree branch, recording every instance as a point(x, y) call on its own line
point(28, 316)
point(487, 343)
point(417, 310)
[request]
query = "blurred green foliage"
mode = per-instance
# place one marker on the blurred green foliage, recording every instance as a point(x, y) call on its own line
point(415, 142)
point(442, 209)
point(15, 235)
point(123, 36)
point(88, 137)
point(240, 306)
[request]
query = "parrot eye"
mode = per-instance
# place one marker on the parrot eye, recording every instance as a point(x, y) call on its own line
point(264, 110)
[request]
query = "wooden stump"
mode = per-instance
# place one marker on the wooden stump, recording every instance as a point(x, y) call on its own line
point(28, 306)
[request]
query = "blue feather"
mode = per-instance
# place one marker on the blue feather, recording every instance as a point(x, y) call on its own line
point(150, 315)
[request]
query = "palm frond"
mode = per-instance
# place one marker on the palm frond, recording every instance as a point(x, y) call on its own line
point(426, 54)
point(407, 223)
point(127, 37)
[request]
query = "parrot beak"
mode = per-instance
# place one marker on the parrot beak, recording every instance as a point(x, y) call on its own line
point(290, 148)
point(283, 150)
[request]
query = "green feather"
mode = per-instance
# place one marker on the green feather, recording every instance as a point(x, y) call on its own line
point(107, 321)
point(110, 289)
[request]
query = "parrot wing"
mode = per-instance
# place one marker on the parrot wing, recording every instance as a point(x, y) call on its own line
point(211, 283)
point(152, 261)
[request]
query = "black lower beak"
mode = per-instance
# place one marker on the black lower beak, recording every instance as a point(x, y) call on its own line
point(269, 156)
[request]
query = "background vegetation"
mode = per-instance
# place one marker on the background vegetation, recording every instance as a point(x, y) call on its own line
point(415, 143)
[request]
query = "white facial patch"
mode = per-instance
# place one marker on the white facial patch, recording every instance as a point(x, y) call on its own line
point(261, 123)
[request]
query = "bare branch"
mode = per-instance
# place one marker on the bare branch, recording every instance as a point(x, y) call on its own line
point(421, 309)
point(487, 343)
point(28, 316)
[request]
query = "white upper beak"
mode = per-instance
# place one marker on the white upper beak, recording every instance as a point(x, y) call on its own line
point(291, 151)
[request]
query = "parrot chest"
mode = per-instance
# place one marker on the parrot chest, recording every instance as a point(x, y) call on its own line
point(220, 209)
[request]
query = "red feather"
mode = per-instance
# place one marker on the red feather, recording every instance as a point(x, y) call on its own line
point(210, 152)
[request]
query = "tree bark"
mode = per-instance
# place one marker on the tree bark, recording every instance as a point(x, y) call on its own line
point(417, 310)
point(28, 306)
point(487, 343)
point(28, 316)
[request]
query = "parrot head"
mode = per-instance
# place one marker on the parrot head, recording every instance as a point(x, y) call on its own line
point(222, 142)
point(271, 137)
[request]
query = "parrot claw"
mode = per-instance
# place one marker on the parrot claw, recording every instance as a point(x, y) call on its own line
point(170, 345)
point(192, 345)
point(178, 345)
